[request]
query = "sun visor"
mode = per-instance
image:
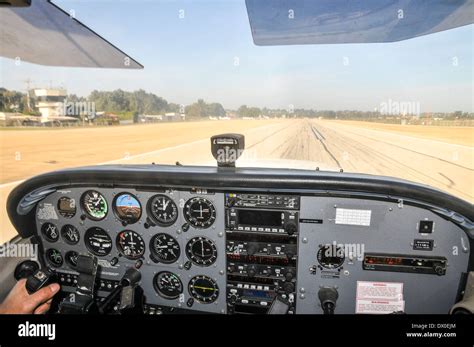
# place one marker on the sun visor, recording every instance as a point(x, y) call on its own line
point(293, 22)
point(45, 34)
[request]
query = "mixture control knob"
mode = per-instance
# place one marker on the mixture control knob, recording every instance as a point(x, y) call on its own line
point(290, 228)
point(328, 297)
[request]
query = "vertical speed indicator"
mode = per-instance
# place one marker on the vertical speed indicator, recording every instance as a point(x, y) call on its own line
point(130, 244)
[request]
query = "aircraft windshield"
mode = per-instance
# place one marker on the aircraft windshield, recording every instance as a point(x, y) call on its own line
point(402, 109)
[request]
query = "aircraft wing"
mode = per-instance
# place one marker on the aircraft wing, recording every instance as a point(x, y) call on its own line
point(33, 33)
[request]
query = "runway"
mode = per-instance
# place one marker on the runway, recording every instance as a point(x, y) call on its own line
point(300, 143)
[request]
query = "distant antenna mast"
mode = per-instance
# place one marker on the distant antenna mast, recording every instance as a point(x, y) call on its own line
point(28, 83)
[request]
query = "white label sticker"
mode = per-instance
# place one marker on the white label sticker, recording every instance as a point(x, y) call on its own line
point(379, 306)
point(47, 211)
point(353, 217)
point(379, 290)
point(379, 297)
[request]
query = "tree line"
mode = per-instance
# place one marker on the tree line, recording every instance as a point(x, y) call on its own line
point(141, 102)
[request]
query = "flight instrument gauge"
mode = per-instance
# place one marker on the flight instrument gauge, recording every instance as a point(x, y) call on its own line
point(163, 210)
point(50, 232)
point(98, 241)
point(130, 244)
point(70, 234)
point(330, 256)
point(94, 205)
point(168, 285)
point(201, 251)
point(71, 258)
point(54, 257)
point(203, 289)
point(164, 248)
point(127, 208)
point(67, 207)
point(199, 212)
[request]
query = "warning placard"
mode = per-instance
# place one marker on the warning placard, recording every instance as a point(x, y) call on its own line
point(379, 306)
point(379, 297)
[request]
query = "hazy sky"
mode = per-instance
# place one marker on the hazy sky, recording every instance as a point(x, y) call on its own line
point(191, 58)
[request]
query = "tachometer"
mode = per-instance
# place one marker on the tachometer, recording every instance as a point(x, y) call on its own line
point(130, 244)
point(163, 210)
point(67, 207)
point(70, 234)
point(199, 212)
point(50, 232)
point(94, 205)
point(204, 289)
point(164, 248)
point(127, 208)
point(97, 241)
point(54, 257)
point(201, 251)
point(168, 285)
point(331, 257)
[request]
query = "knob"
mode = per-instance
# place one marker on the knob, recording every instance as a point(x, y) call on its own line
point(25, 269)
point(252, 249)
point(289, 275)
point(288, 287)
point(328, 297)
point(439, 270)
point(290, 228)
point(251, 272)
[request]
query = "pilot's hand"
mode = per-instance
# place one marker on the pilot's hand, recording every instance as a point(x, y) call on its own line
point(19, 301)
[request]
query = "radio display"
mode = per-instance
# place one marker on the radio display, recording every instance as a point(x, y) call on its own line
point(260, 218)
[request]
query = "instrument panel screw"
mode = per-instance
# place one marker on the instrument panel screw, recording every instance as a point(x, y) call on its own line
point(221, 272)
point(302, 290)
point(220, 234)
point(302, 296)
point(305, 240)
